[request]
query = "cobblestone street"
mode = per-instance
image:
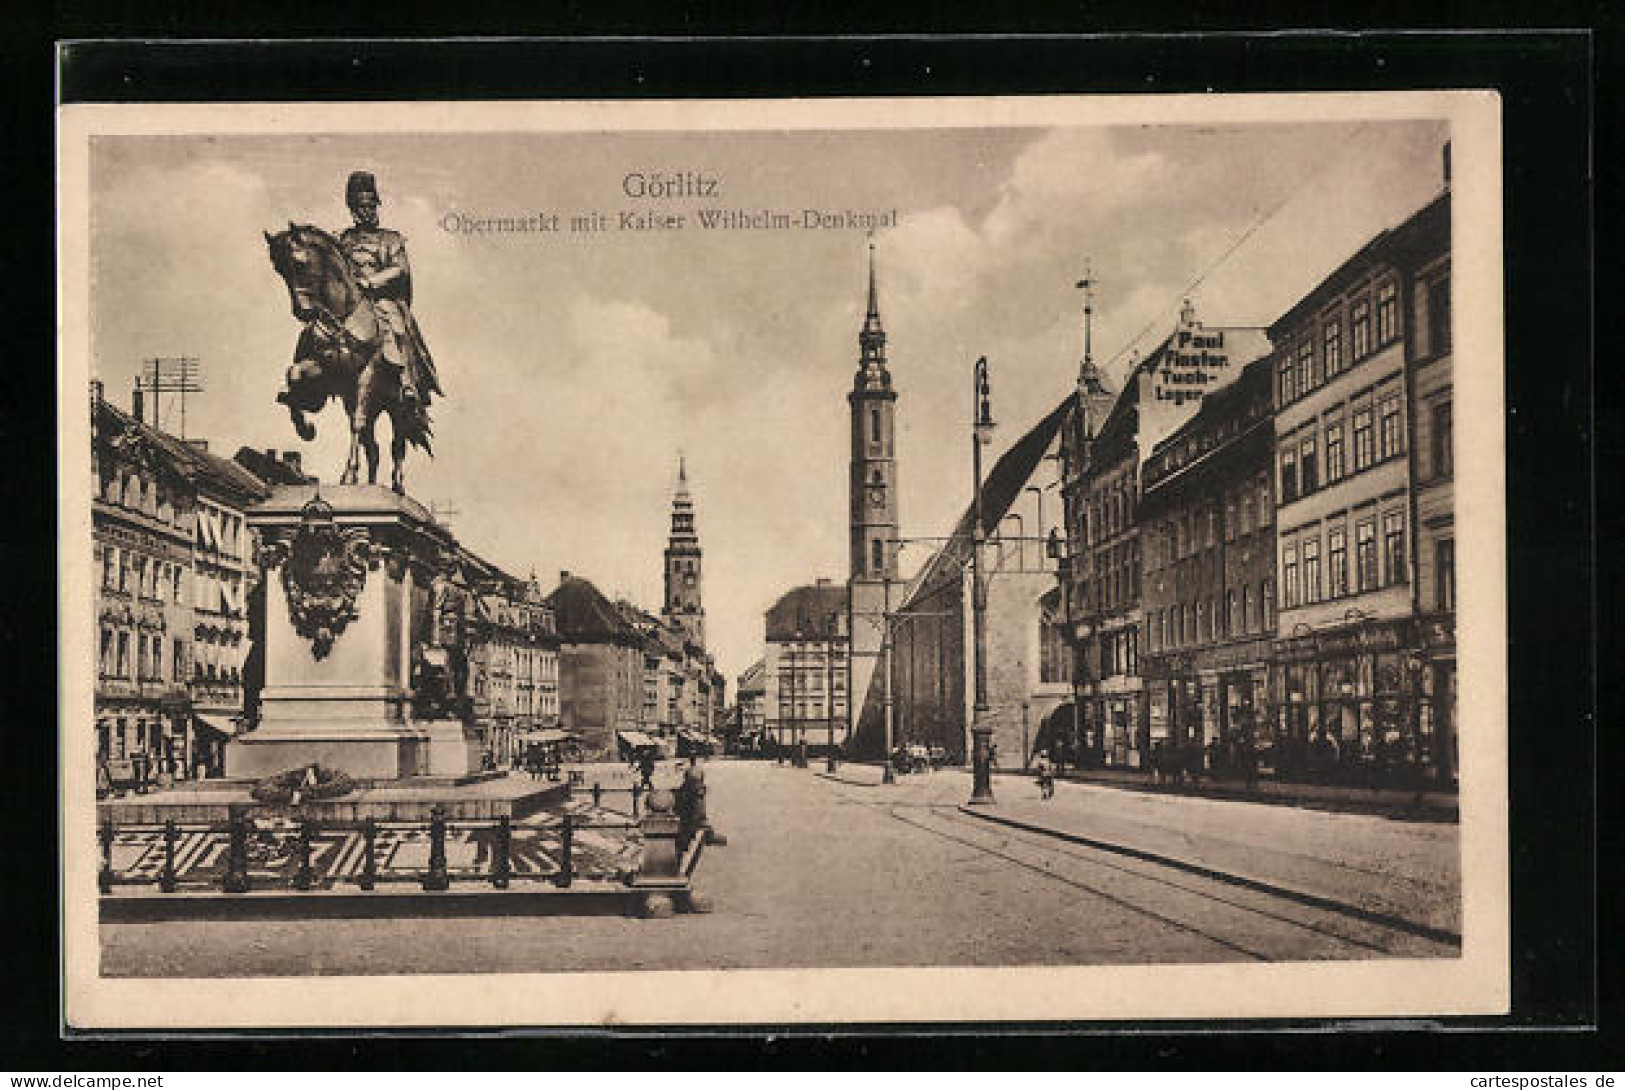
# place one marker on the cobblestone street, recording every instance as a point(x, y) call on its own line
point(833, 873)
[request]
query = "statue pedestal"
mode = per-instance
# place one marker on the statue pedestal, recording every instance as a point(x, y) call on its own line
point(345, 574)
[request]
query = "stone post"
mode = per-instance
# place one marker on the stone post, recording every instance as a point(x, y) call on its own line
point(660, 870)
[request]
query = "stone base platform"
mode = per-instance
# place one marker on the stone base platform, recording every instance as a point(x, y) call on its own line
point(484, 795)
point(583, 898)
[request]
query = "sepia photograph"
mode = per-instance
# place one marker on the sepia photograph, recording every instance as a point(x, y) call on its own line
point(901, 560)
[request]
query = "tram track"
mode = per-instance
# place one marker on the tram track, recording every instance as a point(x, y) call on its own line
point(1231, 916)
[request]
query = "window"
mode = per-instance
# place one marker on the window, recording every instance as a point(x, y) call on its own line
point(1266, 604)
point(1360, 327)
point(1334, 452)
point(1387, 314)
point(874, 425)
point(1289, 475)
point(1443, 440)
point(1230, 518)
point(1306, 459)
point(1362, 439)
point(1334, 347)
point(123, 663)
point(1337, 563)
point(1390, 437)
point(1439, 313)
point(1311, 571)
point(1444, 592)
point(1247, 513)
point(1247, 622)
point(104, 660)
point(1393, 545)
point(109, 568)
point(1306, 363)
point(1284, 384)
point(1365, 555)
point(1289, 577)
point(1232, 621)
point(877, 555)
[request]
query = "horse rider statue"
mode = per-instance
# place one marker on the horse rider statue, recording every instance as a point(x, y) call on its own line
point(359, 342)
point(385, 276)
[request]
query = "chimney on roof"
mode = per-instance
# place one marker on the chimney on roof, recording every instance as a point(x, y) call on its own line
point(823, 582)
point(294, 461)
point(138, 403)
point(564, 575)
point(198, 444)
point(97, 391)
point(1446, 158)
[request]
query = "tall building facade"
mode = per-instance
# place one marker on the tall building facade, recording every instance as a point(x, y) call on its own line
point(601, 667)
point(805, 669)
point(174, 555)
point(872, 508)
point(1208, 538)
point(683, 564)
point(1101, 580)
point(1358, 669)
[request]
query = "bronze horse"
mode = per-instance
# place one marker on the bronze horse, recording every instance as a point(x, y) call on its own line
point(339, 353)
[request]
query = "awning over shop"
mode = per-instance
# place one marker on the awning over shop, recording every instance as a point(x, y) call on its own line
point(543, 737)
point(637, 739)
point(222, 727)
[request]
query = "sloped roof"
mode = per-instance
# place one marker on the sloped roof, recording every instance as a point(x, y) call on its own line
point(269, 468)
point(582, 614)
point(808, 613)
point(216, 476)
point(754, 678)
point(1001, 487)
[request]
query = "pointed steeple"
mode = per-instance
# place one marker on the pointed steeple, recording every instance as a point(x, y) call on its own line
point(1094, 396)
point(872, 372)
point(872, 321)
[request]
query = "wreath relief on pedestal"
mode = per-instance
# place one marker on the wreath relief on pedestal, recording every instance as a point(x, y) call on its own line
point(324, 568)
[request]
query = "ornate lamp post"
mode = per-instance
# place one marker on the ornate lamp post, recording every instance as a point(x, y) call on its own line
point(981, 729)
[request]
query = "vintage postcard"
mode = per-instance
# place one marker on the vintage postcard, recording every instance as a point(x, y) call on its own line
point(904, 561)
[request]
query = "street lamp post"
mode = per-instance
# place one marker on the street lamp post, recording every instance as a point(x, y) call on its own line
point(829, 690)
point(887, 775)
point(981, 729)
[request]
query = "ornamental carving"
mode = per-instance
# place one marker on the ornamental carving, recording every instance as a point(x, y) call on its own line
point(324, 568)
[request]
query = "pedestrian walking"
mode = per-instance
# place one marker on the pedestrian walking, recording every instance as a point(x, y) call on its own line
point(1046, 775)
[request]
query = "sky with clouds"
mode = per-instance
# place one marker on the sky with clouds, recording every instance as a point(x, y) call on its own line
point(578, 365)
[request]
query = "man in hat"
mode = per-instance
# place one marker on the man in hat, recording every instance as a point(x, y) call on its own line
point(379, 255)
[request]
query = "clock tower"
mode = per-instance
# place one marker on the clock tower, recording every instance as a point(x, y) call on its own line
point(873, 526)
point(874, 456)
point(683, 564)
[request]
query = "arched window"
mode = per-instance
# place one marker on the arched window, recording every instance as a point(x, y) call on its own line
point(877, 555)
point(874, 425)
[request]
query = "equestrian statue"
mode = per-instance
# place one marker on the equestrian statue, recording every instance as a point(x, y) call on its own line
point(360, 342)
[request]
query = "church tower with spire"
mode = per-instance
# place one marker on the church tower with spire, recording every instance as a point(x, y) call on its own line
point(873, 524)
point(873, 486)
point(683, 558)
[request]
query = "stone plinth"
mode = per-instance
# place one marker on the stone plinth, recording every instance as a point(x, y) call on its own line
point(346, 570)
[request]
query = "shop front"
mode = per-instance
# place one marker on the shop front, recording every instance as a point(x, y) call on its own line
point(1348, 706)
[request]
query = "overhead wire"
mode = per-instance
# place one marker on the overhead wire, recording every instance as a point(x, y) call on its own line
point(1251, 230)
